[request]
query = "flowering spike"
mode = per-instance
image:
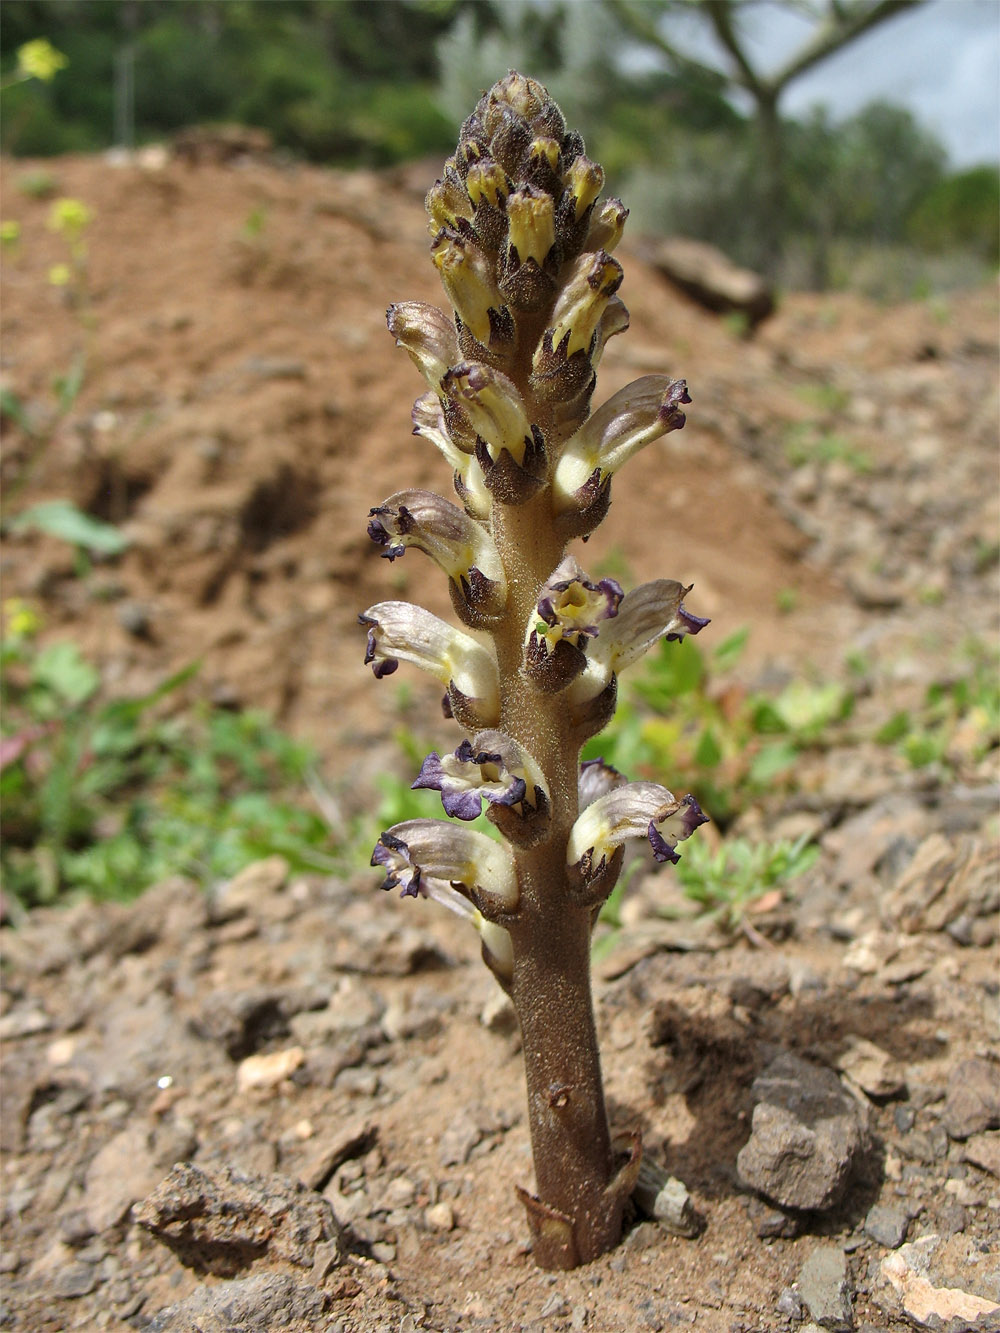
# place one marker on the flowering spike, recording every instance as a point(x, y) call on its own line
point(523, 243)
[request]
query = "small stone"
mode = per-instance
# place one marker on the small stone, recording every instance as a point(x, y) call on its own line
point(808, 1136)
point(790, 1305)
point(24, 1023)
point(929, 1306)
point(497, 1014)
point(267, 1071)
point(952, 1219)
point(871, 1068)
point(770, 1222)
point(555, 1306)
point(973, 1098)
point(983, 1150)
point(74, 1281)
point(904, 1118)
point(886, 1225)
point(118, 1176)
point(440, 1216)
point(823, 1285)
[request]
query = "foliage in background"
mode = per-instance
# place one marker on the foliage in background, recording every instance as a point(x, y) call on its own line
point(350, 82)
point(359, 83)
point(108, 796)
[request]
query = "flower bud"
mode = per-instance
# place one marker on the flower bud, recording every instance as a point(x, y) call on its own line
point(429, 421)
point(491, 405)
point(428, 336)
point(468, 279)
point(580, 305)
point(531, 218)
point(584, 182)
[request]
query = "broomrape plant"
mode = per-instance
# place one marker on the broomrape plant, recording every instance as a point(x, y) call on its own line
point(524, 249)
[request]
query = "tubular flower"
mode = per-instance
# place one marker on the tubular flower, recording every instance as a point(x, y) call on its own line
point(493, 768)
point(427, 334)
point(400, 631)
point(607, 226)
point(494, 410)
point(636, 810)
point(581, 304)
point(428, 420)
point(468, 279)
point(650, 612)
point(631, 419)
point(426, 856)
point(457, 543)
point(570, 612)
point(596, 779)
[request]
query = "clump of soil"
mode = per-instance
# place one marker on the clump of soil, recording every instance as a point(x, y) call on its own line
point(333, 1066)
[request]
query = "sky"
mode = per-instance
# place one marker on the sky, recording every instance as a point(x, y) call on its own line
point(941, 60)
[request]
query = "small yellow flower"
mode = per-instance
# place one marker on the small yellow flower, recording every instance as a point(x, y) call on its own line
point(10, 234)
point(60, 275)
point(70, 218)
point(40, 60)
point(23, 620)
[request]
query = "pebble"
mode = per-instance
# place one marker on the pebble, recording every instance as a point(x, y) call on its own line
point(808, 1136)
point(259, 1072)
point(886, 1225)
point(871, 1068)
point(440, 1216)
point(74, 1281)
point(824, 1286)
point(925, 1304)
point(983, 1150)
point(972, 1103)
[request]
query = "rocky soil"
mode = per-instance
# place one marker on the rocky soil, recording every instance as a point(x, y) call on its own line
point(293, 1103)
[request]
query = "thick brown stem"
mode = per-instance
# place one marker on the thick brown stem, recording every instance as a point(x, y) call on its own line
point(577, 1214)
point(570, 1140)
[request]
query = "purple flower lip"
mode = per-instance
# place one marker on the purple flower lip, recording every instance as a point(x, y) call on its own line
point(493, 769)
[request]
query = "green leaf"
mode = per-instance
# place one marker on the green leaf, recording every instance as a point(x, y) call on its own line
point(60, 669)
point(707, 752)
point(61, 518)
point(772, 760)
point(730, 650)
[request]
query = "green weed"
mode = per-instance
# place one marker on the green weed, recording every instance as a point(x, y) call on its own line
point(727, 881)
point(107, 796)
